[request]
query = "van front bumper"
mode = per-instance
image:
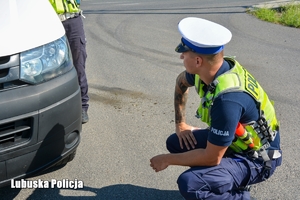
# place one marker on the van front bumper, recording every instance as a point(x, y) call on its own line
point(40, 125)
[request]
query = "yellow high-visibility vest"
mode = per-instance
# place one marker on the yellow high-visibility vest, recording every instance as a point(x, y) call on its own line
point(238, 79)
point(65, 6)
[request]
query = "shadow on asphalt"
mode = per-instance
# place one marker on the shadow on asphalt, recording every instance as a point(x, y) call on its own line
point(114, 192)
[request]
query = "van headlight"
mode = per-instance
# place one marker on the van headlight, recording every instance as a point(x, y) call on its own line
point(45, 62)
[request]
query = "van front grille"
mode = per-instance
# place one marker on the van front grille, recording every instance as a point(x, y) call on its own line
point(10, 73)
point(4, 59)
point(11, 85)
point(16, 132)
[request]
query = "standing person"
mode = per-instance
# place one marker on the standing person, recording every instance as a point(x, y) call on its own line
point(70, 14)
point(241, 146)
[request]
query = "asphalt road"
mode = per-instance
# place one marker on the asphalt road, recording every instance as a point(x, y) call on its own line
point(132, 67)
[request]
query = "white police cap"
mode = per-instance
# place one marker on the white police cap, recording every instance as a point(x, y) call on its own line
point(202, 36)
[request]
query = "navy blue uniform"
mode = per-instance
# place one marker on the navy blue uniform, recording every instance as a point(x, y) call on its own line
point(235, 171)
point(76, 37)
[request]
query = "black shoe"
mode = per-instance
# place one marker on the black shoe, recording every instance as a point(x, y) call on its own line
point(85, 117)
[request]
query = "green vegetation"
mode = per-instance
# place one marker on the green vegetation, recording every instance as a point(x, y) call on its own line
point(288, 15)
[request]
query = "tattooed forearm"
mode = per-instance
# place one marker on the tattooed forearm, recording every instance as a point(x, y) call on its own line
point(180, 97)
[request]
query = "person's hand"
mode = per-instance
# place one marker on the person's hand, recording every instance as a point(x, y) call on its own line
point(185, 135)
point(159, 162)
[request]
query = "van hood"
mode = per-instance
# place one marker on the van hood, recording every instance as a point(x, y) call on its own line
point(26, 24)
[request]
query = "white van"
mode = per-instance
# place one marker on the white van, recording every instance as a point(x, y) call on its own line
point(40, 103)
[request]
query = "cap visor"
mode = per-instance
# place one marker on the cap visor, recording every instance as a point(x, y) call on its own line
point(182, 48)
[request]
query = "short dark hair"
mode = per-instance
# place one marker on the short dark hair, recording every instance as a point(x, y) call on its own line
point(212, 58)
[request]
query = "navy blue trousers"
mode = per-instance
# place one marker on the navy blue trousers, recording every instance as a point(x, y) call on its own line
point(76, 38)
point(223, 181)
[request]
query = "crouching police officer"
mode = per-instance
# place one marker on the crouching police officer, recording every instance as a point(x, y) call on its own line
point(69, 13)
point(241, 147)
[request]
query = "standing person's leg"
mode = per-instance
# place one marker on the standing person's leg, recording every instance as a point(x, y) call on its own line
point(76, 37)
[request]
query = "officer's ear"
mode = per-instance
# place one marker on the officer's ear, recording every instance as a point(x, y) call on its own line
point(199, 60)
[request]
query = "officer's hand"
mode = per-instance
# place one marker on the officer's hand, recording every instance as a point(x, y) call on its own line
point(185, 135)
point(159, 163)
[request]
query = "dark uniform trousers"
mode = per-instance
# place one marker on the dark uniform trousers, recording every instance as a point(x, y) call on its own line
point(223, 181)
point(76, 37)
